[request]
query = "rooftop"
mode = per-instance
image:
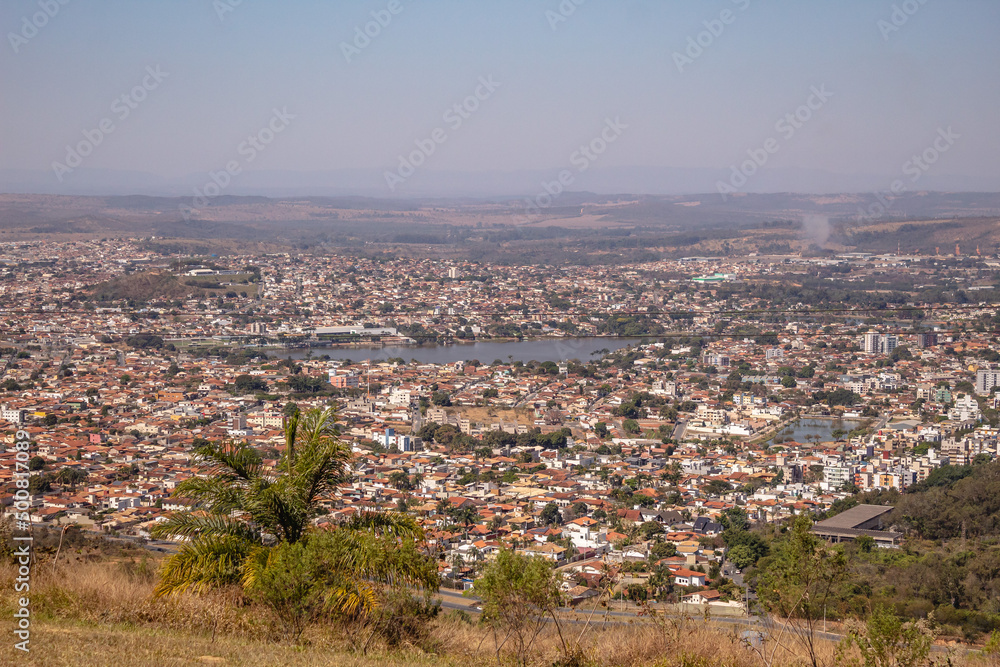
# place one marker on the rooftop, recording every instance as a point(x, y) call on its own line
point(854, 517)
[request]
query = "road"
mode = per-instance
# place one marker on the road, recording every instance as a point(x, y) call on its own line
point(454, 600)
point(160, 546)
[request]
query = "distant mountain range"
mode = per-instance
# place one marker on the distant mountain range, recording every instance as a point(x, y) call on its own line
point(429, 183)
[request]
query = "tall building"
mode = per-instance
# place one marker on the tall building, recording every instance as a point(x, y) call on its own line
point(872, 343)
point(926, 340)
point(875, 343)
point(986, 380)
point(889, 343)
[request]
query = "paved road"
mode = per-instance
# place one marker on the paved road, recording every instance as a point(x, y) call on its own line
point(454, 600)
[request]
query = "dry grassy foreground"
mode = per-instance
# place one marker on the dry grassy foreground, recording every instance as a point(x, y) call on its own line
point(104, 613)
point(63, 644)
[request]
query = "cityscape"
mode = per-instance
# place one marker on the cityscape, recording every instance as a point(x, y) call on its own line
point(562, 333)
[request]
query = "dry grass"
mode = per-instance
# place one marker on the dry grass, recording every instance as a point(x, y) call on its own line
point(58, 644)
point(104, 613)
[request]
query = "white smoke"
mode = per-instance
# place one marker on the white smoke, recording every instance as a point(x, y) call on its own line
point(817, 229)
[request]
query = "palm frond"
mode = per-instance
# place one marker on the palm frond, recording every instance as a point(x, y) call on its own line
point(253, 566)
point(213, 493)
point(281, 509)
point(320, 466)
point(291, 431)
point(190, 525)
point(382, 560)
point(351, 597)
point(385, 523)
point(317, 425)
point(205, 563)
point(231, 460)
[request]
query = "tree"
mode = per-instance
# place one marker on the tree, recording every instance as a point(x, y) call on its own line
point(331, 572)
point(797, 583)
point(71, 476)
point(518, 592)
point(742, 556)
point(247, 384)
point(39, 484)
point(550, 515)
point(464, 516)
point(885, 641)
point(251, 520)
point(36, 463)
point(400, 481)
point(745, 547)
point(650, 528)
point(717, 487)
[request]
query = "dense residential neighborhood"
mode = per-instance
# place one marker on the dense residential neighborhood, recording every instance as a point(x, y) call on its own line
point(715, 399)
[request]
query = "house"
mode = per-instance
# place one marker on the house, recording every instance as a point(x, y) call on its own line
point(686, 577)
point(702, 597)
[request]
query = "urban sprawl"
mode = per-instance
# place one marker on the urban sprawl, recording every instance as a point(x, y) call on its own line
point(720, 386)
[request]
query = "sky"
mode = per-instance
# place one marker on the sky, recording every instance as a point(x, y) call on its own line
point(684, 85)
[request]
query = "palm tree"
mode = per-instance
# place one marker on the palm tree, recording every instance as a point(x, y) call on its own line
point(465, 516)
point(248, 517)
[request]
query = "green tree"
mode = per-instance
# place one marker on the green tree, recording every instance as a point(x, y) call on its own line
point(518, 593)
point(797, 584)
point(400, 481)
point(650, 528)
point(334, 572)
point(885, 641)
point(247, 384)
point(550, 515)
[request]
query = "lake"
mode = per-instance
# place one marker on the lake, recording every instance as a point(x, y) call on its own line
point(547, 349)
point(807, 429)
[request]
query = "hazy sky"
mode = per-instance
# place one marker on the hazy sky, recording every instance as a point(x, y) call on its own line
point(226, 72)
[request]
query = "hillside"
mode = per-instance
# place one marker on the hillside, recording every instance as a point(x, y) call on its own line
point(950, 563)
point(144, 286)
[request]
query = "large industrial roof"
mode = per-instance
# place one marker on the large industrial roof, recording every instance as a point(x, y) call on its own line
point(855, 516)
